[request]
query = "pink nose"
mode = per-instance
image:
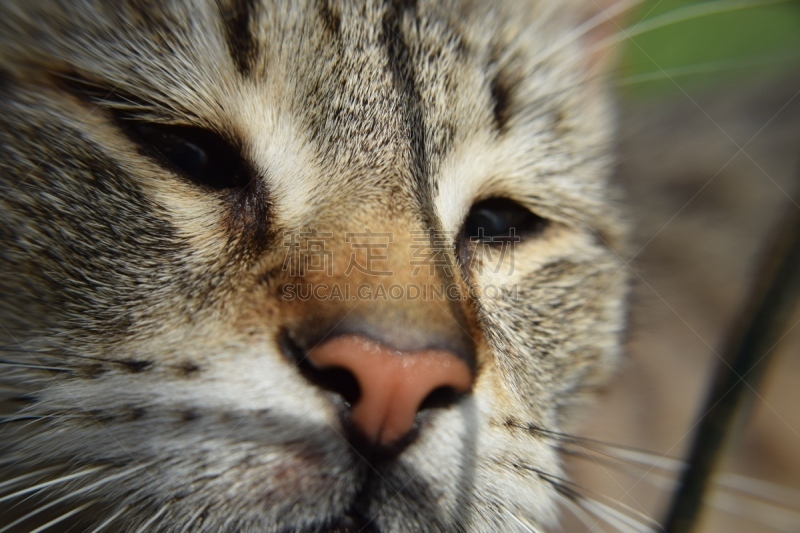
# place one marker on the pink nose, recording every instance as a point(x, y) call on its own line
point(393, 384)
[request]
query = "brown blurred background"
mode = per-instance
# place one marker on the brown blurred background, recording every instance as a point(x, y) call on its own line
point(710, 159)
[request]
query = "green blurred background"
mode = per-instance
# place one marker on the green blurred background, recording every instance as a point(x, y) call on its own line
point(761, 39)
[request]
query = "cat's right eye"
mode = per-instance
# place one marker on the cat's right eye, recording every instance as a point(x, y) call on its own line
point(202, 156)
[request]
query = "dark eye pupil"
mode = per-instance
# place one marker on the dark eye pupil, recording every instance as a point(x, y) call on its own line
point(484, 224)
point(499, 220)
point(186, 155)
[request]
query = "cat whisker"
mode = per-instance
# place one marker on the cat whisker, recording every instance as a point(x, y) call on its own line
point(614, 450)
point(643, 459)
point(587, 519)
point(146, 526)
point(765, 490)
point(73, 494)
point(57, 355)
point(12, 460)
point(762, 508)
point(591, 501)
point(619, 8)
point(22, 418)
point(30, 419)
point(614, 517)
point(634, 521)
point(53, 482)
point(49, 355)
point(19, 479)
point(619, 465)
point(675, 16)
point(9, 393)
point(707, 68)
point(107, 522)
point(636, 457)
point(726, 486)
point(679, 15)
point(193, 519)
point(34, 367)
point(763, 513)
point(760, 501)
point(524, 523)
point(63, 517)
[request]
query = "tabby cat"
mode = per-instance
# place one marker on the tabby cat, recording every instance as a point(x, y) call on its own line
point(273, 266)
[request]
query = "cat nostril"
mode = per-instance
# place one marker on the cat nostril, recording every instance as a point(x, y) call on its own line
point(337, 380)
point(334, 379)
point(440, 398)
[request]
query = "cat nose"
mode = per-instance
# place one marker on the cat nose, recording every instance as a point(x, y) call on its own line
point(394, 385)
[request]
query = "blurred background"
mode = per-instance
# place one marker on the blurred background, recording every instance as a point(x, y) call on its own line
point(706, 45)
point(710, 159)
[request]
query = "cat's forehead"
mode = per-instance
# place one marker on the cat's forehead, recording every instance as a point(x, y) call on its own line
point(363, 93)
point(337, 64)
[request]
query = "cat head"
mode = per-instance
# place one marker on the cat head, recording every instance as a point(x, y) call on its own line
point(301, 266)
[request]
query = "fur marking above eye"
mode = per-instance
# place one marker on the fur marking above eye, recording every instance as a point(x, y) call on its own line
point(501, 100)
point(242, 42)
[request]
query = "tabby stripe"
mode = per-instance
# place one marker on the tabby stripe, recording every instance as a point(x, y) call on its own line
point(330, 16)
point(404, 77)
point(500, 88)
point(237, 18)
point(501, 102)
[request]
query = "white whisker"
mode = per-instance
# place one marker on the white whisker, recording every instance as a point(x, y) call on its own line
point(110, 519)
point(22, 418)
point(642, 458)
point(618, 452)
point(573, 488)
point(764, 490)
point(144, 527)
point(13, 459)
point(47, 484)
point(34, 367)
point(777, 518)
point(525, 525)
point(587, 519)
point(614, 517)
point(731, 481)
point(706, 68)
point(682, 15)
point(61, 518)
point(192, 520)
point(19, 479)
point(619, 8)
point(760, 501)
point(71, 495)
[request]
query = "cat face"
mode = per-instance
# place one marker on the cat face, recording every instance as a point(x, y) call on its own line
point(230, 229)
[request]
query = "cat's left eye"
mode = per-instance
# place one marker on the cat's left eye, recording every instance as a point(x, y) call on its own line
point(500, 220)
point(202, 156)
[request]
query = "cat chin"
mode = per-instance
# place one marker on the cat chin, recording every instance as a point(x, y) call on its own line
point(403, 504)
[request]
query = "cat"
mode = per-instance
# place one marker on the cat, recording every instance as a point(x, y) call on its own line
point(214, 215)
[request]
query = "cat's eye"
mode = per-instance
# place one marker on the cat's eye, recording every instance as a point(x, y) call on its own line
point(201, 155)
point(500, 220)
